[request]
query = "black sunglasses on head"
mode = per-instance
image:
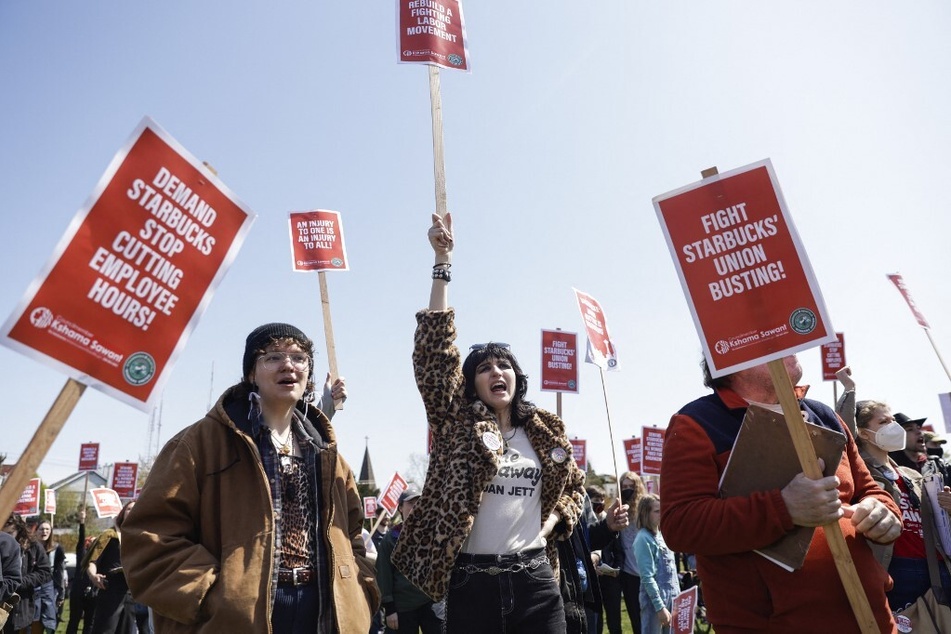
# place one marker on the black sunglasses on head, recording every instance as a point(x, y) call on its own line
point(483, 346)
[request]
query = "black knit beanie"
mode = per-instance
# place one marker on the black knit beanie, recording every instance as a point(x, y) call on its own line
point(261, 336)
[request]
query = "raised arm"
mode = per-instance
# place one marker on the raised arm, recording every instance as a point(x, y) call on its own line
point(441, 239)
point(845, 407)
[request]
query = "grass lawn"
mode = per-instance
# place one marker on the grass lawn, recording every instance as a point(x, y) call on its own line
point(625, 621)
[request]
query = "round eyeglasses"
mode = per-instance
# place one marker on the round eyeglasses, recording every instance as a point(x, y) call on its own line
point(275, 360)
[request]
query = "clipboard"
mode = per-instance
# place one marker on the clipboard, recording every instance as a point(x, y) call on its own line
point(763, 458)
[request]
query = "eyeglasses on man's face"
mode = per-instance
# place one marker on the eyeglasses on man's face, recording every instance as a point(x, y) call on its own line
point(275, 360)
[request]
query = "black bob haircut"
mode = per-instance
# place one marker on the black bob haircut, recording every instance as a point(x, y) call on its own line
point(522, 410)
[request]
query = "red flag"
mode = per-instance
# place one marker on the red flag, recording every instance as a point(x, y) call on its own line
point(900, 284)
point(601, 349)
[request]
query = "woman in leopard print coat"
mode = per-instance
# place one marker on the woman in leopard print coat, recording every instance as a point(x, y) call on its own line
point(502, 485)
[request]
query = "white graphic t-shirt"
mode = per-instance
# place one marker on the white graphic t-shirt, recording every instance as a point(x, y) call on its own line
point(510, 516)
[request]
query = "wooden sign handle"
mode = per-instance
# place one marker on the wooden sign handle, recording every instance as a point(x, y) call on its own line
point(329, 334)
point(810, 466)
point(39, 445)
point(439, 161)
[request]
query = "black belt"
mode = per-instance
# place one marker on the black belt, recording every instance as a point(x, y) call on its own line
point(296, 577)
point(497, 564)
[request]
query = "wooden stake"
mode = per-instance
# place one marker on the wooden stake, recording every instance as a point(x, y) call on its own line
point(810, 467)
point(39, 445)
point(937, 352)
point(439, 162)
point(329, 334)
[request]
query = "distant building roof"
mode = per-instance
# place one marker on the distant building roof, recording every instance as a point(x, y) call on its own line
point(76, 481)
point(366, 471)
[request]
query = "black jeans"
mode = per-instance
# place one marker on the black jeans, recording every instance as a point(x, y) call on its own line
point(631, 589)
point(504, 593)
point(81, 610)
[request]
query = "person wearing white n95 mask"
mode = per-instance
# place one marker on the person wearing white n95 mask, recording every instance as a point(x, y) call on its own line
point(878, 434)
point(890, 437)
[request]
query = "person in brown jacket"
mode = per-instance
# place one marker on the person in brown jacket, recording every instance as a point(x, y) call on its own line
point(250, 521)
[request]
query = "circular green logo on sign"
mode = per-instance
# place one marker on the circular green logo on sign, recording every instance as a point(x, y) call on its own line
point(139, 368)
point(803, 321)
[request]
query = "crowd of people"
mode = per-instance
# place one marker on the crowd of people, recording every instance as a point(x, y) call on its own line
point(251, 520)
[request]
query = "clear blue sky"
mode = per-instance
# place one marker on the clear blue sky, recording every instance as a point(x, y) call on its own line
point(573, 118)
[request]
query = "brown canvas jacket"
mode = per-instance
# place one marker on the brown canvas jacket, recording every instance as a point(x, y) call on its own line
point(199, 545)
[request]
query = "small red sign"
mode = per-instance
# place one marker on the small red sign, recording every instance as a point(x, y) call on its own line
point(432, 32)
point(833, 357)
point(106, 502)
point(49, 501)
point(89, 456)
point(632, 449)
point(29, 502)
point(559, 361)
point(390, 496)
point(124, 475)
point(369, 507)
point(743, 269)
point(317, 241)
point(653, 450)
point(579, 450)
point(683, 613)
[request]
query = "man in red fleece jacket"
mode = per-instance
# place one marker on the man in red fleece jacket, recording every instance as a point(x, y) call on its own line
point(743, 591)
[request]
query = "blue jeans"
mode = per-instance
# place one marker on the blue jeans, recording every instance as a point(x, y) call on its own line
point(526, 600)
point(295, 609)
point(668, 583)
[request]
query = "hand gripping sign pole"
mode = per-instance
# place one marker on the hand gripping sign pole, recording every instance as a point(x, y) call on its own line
point(810, 467)
point(329, 334)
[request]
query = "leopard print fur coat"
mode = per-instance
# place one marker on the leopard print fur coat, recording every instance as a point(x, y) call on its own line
point(461, 464)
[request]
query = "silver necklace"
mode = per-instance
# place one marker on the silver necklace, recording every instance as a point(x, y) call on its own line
point(284, 446)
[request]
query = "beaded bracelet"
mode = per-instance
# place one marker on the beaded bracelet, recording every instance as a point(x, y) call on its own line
point(441, 271)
